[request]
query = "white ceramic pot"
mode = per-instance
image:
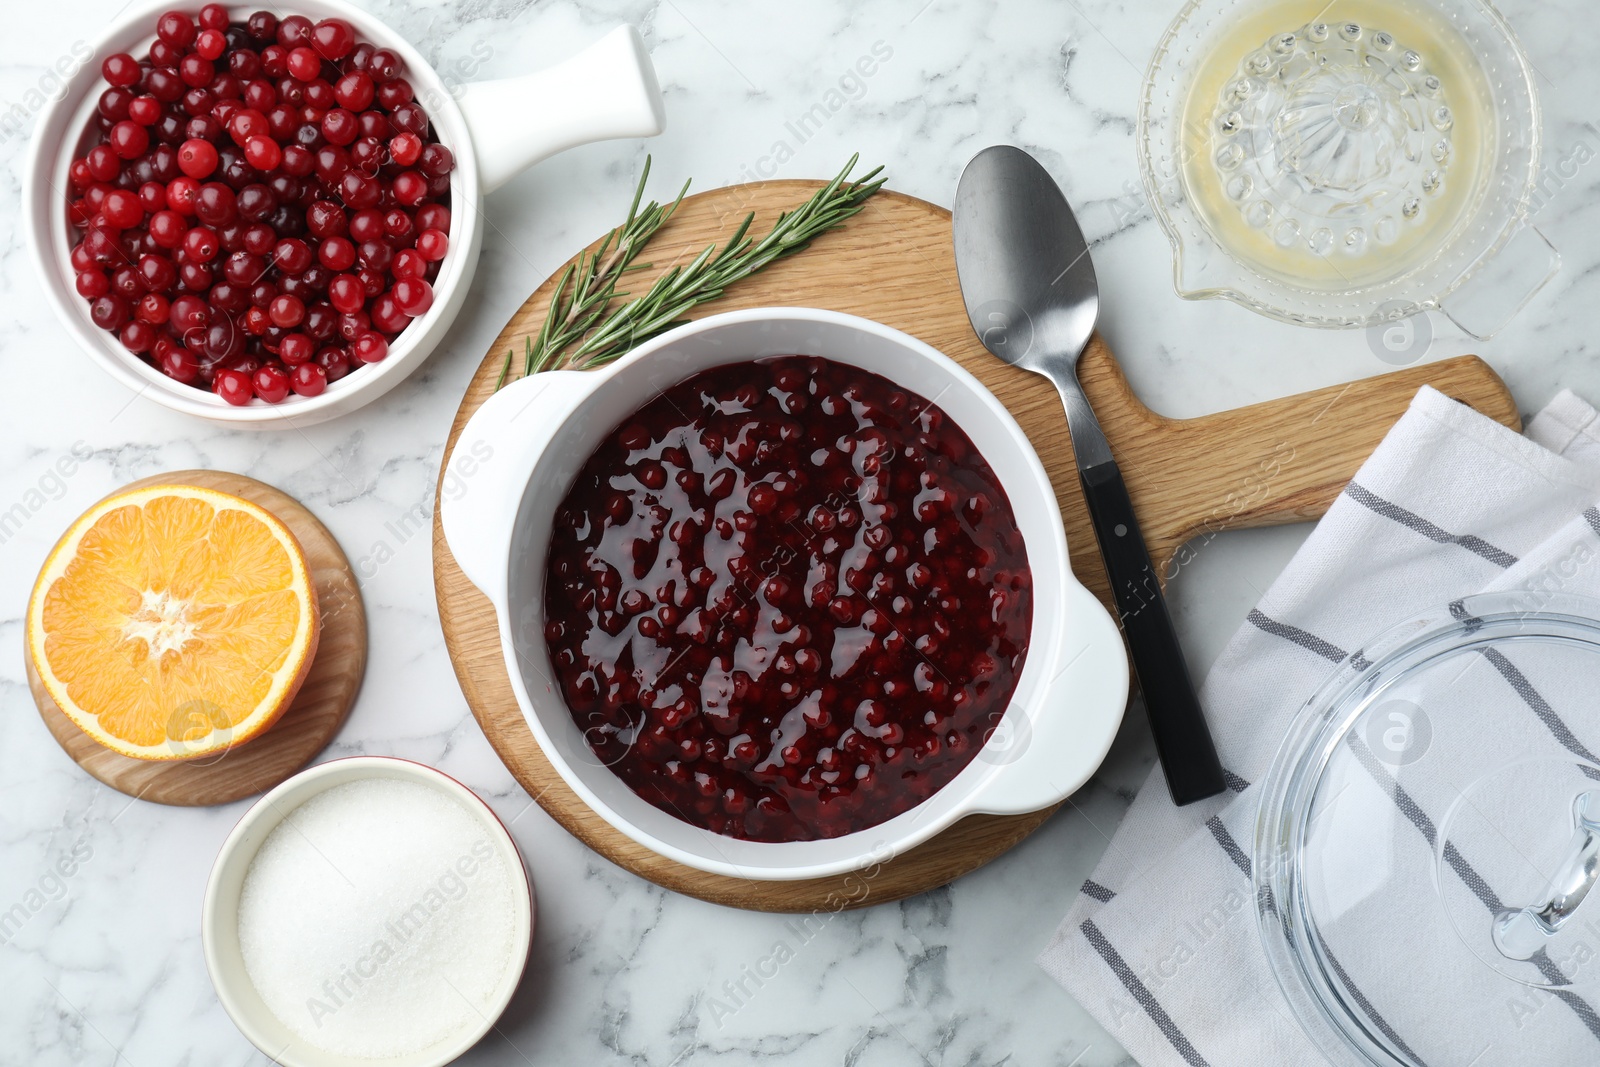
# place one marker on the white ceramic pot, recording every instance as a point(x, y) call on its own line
point(219, 921)
point(495, 130)
point(518, 455)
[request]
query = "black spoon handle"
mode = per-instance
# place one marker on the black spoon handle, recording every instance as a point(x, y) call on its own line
point(1183, 741)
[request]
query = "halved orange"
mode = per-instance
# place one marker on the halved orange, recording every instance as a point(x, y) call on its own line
point(172, 621)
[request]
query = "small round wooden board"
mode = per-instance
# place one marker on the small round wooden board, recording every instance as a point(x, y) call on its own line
point(319, 709)
point(1279, 462)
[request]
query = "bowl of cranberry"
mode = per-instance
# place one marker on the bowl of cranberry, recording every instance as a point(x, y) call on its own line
point(783, 593)
point(270, 217)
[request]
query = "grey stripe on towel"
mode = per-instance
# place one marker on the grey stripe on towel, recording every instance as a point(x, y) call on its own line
point(1300, 637)
point(1092, 888)
point(1537, 704)
point(1146, 999)
point(1471, 542)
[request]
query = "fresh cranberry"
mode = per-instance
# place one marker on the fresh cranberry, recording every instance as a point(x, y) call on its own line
point(409, 187)
point(340, 127)
point(384, 65)
point(354, 91)
point(175, 28)
point(196, 277)
point(295, 348)
point(92, 283)
point(179, 364)
point(370, 347)
point(109, 311)
point(345, 292)
point(122, 209)
point(304, 64)
point(271, 383)
point(152, 196)
point(121, 70)
point(246, 123)
point(286, 311)
point(164, 84)
point(387, 315)
point(408, 263)
point(414, 296)
point(437, 161)
point(216, 204)
point(157, 273)
point(292, 255)
point(294, 31)
point(263, 153)
point(183, 194)
point(113, 105)
point(376, 255)
point(128, 139)
point(197, 158)
point(298, 161)
point(405, 149)
point(256, 202)
point(262, 27)
point(333, 39)
point(358, 191)
point(195, 70)
point(376, 124)
point(233, 386)
point(366, 226)
point(394, 94)
point(432, 245)
point(337, 253)
point(781, 676)
point(410, 117)
point(188, 313)
point(201, 245)
point(138, 337)
point(152, 308)
point(321, 321)
point(335, 363)
point(144, 110)
point(308, 379)
point(209, 44)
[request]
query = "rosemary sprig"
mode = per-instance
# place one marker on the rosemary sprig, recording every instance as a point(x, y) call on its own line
point(583, 329)
point(594, 281)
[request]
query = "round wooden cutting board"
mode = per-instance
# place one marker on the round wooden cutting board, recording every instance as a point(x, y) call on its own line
point(319, 709)
point(1278, 462)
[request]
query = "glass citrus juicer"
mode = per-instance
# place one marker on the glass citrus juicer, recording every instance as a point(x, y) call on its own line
point(1349, 163)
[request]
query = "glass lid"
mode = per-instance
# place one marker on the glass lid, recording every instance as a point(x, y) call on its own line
point(1428, 837)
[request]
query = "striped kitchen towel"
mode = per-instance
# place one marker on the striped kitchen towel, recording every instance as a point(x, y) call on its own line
point(1160, 945)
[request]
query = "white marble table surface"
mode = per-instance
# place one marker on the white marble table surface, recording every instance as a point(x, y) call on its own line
point(109, 970)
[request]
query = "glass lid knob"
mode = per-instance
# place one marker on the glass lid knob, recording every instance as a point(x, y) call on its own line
point(1521, 934)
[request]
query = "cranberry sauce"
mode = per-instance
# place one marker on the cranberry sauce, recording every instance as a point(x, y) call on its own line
point(787, 600)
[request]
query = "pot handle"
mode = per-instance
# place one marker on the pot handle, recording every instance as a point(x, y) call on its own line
point(606, 91)
point(1048, 756)
point(481, 483)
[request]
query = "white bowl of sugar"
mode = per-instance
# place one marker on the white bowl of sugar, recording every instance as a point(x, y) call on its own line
point(367, 910)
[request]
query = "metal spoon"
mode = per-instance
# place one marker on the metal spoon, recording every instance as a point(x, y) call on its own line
point(1030, 291)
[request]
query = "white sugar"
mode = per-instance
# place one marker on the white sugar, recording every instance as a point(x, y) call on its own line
point(376, 920)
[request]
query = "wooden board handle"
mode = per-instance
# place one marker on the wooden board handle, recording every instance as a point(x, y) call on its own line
point(1284, 460)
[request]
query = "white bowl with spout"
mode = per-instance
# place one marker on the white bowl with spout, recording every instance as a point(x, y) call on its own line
point(495, 129)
